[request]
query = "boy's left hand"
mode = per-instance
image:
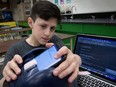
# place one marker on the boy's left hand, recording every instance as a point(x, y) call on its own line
point(69, 66)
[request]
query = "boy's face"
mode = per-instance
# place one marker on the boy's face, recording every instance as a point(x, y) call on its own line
point(42, 30)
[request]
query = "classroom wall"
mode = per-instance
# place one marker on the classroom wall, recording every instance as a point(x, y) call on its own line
point(93, 6)
point(87, 6)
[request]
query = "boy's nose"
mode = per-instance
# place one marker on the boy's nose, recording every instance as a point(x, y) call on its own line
point(47, 32)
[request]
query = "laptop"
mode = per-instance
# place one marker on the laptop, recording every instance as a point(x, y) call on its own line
point(98, 54)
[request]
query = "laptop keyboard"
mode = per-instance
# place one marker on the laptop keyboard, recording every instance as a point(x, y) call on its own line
point(90, 81)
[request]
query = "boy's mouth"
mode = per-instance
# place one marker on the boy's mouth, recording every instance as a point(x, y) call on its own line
point(46, 39)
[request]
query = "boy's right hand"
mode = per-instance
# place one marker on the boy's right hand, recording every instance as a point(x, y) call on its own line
point(11, 70)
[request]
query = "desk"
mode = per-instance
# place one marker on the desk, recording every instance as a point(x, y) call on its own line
point(66, 36)
point(4, 45)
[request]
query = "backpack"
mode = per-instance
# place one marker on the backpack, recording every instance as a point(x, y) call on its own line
point(36, 78)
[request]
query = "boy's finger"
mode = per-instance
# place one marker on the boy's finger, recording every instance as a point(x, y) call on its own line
point(18, 59)
point(49, 44)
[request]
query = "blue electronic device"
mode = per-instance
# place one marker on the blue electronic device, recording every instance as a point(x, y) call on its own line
point(45, 60)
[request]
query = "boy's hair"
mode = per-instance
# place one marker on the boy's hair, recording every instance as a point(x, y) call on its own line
point(45, 10)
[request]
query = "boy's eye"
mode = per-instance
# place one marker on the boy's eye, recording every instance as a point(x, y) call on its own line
point(43, 26)
point(52, 28)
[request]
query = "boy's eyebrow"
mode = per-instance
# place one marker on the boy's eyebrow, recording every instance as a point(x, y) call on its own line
point(45, 24)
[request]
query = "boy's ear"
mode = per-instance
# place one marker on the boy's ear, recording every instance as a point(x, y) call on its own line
point(30, 22)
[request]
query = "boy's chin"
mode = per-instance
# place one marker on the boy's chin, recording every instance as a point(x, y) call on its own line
point(43, 43)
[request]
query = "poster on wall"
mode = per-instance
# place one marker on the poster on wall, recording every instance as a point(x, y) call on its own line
point(68, 1)
point(61, 1)
point(56, 2)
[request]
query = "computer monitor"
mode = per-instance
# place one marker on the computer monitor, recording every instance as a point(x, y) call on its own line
point(98, 54)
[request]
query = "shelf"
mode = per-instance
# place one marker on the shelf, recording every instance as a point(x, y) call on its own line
point(2, 5)
point(15, 31)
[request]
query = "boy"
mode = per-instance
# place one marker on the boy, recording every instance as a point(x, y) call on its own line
point(44, 18)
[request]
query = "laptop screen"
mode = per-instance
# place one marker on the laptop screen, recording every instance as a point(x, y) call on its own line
point(98, 54)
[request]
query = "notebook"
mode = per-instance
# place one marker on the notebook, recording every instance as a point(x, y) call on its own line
point(98, 54)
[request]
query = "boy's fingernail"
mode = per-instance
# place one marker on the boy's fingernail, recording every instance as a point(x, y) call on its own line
point(60, 76)
point(20, 61)
point(55, 56)
point(55, 72)
point(84, 73)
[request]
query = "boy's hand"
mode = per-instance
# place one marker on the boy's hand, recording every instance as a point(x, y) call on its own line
point(69, 66)
point(11, 70)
